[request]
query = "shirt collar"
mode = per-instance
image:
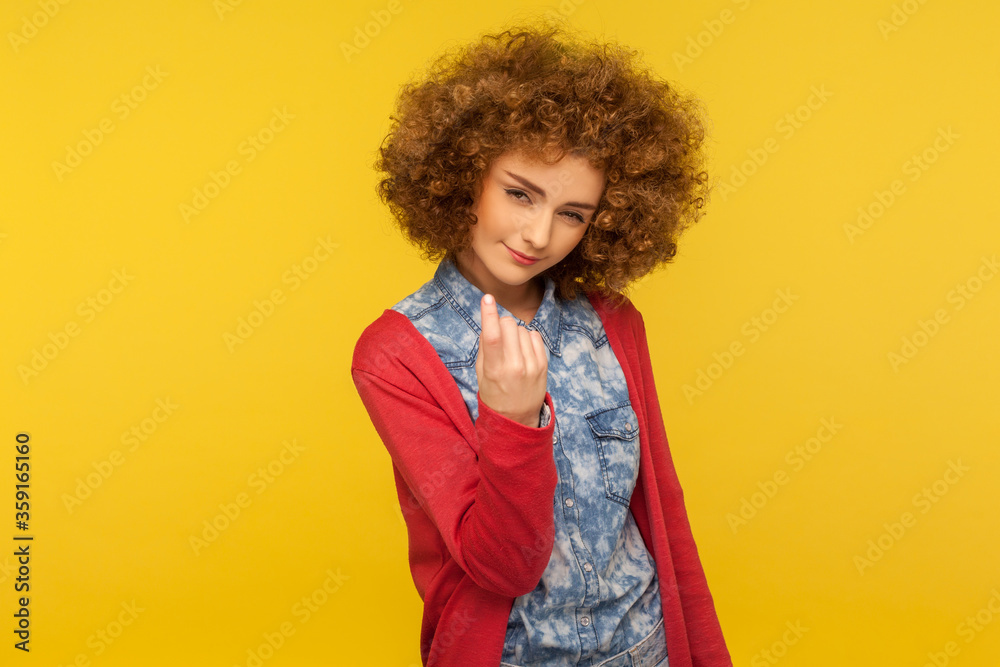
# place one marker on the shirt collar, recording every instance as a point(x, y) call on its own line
point(465, 297)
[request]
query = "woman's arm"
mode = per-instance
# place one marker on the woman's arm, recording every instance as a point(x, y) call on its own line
point(493, 511)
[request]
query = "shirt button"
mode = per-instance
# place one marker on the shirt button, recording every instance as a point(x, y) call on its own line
point(585, 621)
point(628, 426)
point(569, 502)
point(588, 567)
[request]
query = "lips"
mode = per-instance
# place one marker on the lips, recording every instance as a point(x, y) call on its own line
point(519, 257)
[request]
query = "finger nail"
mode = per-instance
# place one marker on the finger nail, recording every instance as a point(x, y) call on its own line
point(489, 299)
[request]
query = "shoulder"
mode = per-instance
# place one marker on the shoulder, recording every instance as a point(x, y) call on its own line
point(436, 314)
point(415, 332)
point(622, 315)
point(394, 361)
point(393, 332)
point(385, 340)
point(420, 303)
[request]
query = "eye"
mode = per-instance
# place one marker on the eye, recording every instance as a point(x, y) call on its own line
point(514, 194)
point(575, 216)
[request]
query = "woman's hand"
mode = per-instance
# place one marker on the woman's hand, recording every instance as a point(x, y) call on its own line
point(512, 367)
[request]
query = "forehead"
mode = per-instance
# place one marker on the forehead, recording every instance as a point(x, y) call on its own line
point(534, 160)
point(541, 154)
point(572, 178)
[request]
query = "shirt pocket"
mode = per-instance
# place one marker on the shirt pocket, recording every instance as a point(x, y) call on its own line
point(616, 433)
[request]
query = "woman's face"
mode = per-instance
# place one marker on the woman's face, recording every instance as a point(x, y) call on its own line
point(530, 216)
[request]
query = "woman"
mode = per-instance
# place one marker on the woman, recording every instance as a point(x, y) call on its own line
point(513, 391)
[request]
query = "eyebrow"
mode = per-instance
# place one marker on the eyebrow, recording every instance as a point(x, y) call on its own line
point(534, 188)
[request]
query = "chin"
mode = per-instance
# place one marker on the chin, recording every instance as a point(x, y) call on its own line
point(514, 281)
point(519, 273)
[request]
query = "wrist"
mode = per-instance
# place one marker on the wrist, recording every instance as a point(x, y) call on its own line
point(531, 420)
point(535, 419)
point(543, 417)
point(526, 420)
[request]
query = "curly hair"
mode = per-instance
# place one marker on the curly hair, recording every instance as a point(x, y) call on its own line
point(524, 88)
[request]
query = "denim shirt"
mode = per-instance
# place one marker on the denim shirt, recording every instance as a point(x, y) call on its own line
point(598, 595)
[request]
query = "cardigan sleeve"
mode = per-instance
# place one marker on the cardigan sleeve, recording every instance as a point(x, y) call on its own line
point(493, 510)
point(708, 647)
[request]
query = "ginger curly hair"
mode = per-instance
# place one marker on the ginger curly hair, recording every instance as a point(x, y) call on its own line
point(525, 88)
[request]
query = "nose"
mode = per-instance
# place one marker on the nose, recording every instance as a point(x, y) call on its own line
point(536, 227)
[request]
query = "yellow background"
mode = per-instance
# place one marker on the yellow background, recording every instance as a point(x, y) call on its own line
point(330, 517)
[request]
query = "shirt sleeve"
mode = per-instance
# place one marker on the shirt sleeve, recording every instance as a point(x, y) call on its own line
point(493, 511)
point(546, 414)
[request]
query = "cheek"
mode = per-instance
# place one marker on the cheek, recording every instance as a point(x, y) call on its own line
point(485, 221)
point(481, 233)
point(573, 238)
point(561, 249)
point(476, 231)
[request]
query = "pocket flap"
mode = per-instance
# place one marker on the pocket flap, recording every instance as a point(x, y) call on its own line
point(617, 421)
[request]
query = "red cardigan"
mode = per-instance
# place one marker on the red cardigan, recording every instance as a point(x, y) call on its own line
point(477, 497)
